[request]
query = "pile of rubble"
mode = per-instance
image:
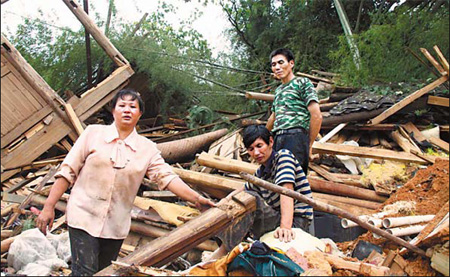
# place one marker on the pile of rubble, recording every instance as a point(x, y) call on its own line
point(372, 173)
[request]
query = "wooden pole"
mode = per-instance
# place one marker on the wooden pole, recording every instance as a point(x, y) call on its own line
point(96, 33)
point(348, 200)
point(215, 185)
point(87, 39)
point(225, 164)
point(407, 100)
point(185, 149)
point(185, 237)
point(329, 209)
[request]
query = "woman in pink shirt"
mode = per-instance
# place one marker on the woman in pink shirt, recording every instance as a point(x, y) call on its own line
point(104, 170)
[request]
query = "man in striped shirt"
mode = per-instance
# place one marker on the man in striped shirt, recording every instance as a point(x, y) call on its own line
point(273, 211)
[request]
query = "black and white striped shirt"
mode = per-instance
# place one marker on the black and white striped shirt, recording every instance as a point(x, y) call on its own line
point(283, 168)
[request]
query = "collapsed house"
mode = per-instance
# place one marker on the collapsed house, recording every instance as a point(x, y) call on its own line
point(370, 174)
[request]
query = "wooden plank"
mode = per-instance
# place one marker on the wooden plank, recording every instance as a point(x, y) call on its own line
point(407, 100)
point(74, 119)
point(442, 58)
point(438, 101)
point(433, 61)
point(96, 33)
point(333, 132)
point(409, 139)
point(26, 92)
point(33, 78)
point(185, 237)
point(364, 269)
point(25, 125)
point(5, 70)
point(411, 128)
point(366, 152)
point(324, 173)
point(91, 97)
point(440, 143)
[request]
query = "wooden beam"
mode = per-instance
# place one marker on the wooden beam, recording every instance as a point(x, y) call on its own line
point(315, 78)
point(225, 164)
point(366, 152)
point(96, 33)
point(407, 100)
point(74, 119)
point(438, 101)
point(330, 209)
point(333, 132)
point(433, 61)
point(442, 58)
point(344, 190)
point(215, 185)
point(324, 173)
point(33, 78)
point(348, 200)
point(440, 143)
point(185, 237)
point(411, 128)
point(365, 269)
point(403, 142)
point(27, 200)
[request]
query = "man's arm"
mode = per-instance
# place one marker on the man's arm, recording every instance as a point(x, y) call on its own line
point(315, 123)
point(270, 122)
point(285, 232)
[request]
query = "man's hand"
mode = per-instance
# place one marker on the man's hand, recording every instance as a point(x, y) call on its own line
point(45, 218)
point(284, 234)
point(203, 203)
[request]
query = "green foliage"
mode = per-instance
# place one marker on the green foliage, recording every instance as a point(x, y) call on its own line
point(385, 47)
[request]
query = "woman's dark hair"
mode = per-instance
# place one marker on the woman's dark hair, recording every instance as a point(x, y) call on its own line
point(253, 132)
point(134, 95)
point(282, 51)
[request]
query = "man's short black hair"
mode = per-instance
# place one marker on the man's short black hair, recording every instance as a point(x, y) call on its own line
point(253, 132)
point(283, 51)
point(134, 95)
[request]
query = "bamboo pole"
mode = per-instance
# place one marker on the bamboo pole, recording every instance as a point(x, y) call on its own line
point(330, 209)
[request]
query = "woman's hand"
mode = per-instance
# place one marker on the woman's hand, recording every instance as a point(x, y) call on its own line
point(45, 219)
point(203, 203)
point(284, 234)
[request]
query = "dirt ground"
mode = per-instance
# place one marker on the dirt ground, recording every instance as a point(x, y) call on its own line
point(429, 188)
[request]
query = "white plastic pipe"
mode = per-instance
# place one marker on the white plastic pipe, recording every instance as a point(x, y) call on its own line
point(405, 231)
point(346, 223)
point(375, 222)
point(391, 222)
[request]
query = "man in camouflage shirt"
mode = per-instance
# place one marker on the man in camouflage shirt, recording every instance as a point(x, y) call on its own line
point(296, 118)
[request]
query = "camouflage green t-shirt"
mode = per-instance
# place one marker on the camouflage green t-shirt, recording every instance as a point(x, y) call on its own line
point(291, 104)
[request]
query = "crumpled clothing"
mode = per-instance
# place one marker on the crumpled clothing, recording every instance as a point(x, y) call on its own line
point(219, 267)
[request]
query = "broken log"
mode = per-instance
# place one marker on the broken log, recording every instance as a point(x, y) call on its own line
point(364, 269)
point(184, 150)
point(225, 164)
point(215, 185)
point(155, 232)
point(235, 166)
point(136, 226)
point(344, 190)
point(348, 200)
point(182, 239)
point(329, 209)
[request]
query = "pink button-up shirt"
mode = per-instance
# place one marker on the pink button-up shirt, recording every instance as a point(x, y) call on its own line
point(106, 173)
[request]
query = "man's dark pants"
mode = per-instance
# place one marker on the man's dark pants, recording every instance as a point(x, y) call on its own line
point(91, 254)
point(295, 140)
